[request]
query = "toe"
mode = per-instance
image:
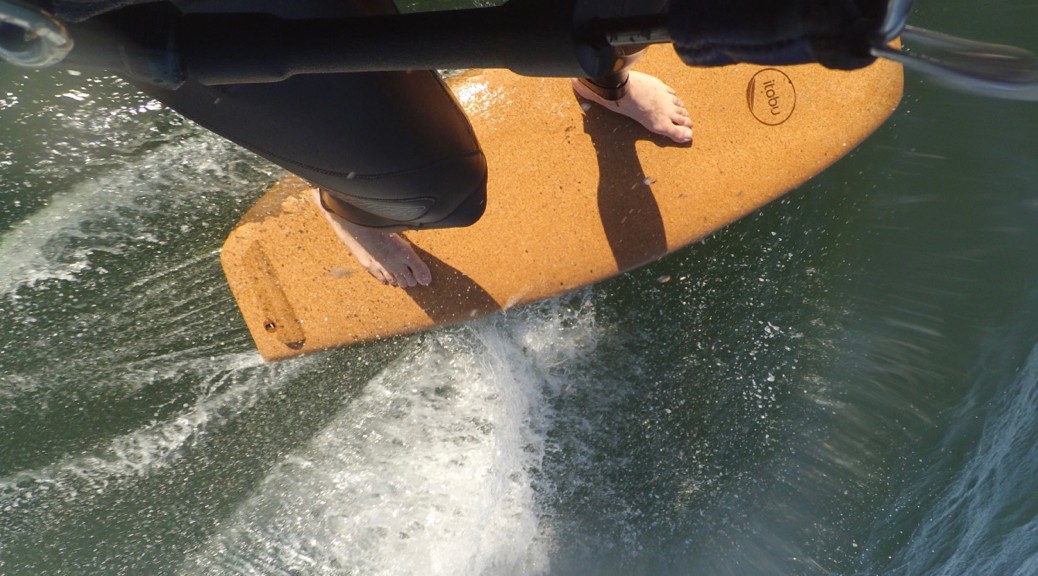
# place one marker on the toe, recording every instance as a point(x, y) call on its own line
point(680, 133)
point(418, 271)
point(405, 281)
point(422, 275)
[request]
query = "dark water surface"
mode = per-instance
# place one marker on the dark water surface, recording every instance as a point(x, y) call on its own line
point(844, 383)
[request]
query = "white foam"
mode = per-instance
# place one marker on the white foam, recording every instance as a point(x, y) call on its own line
point(431, 470)
point(156, 445)
point(979, 521)
point(105, 214)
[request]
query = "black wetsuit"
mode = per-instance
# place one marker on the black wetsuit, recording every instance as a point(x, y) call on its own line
point(394, 149)
point(388, 149)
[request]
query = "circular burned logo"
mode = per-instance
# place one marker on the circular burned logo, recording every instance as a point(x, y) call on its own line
point(771, 96)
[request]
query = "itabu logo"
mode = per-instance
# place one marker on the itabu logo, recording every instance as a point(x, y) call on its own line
point(771, 96)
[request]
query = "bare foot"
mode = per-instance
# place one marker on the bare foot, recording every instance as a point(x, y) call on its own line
point(385, 255)
point(651, 103)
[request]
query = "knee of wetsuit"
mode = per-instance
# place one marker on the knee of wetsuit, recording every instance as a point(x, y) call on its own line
point(445, 194)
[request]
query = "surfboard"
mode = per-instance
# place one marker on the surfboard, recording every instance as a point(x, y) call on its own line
point(576, 195)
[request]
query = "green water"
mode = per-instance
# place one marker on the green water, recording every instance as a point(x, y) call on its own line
point(843, 383)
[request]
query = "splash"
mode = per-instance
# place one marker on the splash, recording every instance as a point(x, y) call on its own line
point(242, 381)
point(106, 214)
point(432, 470)
point(976, 518)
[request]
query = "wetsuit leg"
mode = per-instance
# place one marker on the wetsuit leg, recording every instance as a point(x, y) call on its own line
point(389, 150)
point(613, 85)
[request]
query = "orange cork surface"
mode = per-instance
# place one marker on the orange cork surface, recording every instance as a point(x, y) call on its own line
point(576, 194)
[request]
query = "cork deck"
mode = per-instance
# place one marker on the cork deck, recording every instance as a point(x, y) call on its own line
point(576, 195)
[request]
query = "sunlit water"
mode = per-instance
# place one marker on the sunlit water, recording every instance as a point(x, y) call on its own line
point(844, 383)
